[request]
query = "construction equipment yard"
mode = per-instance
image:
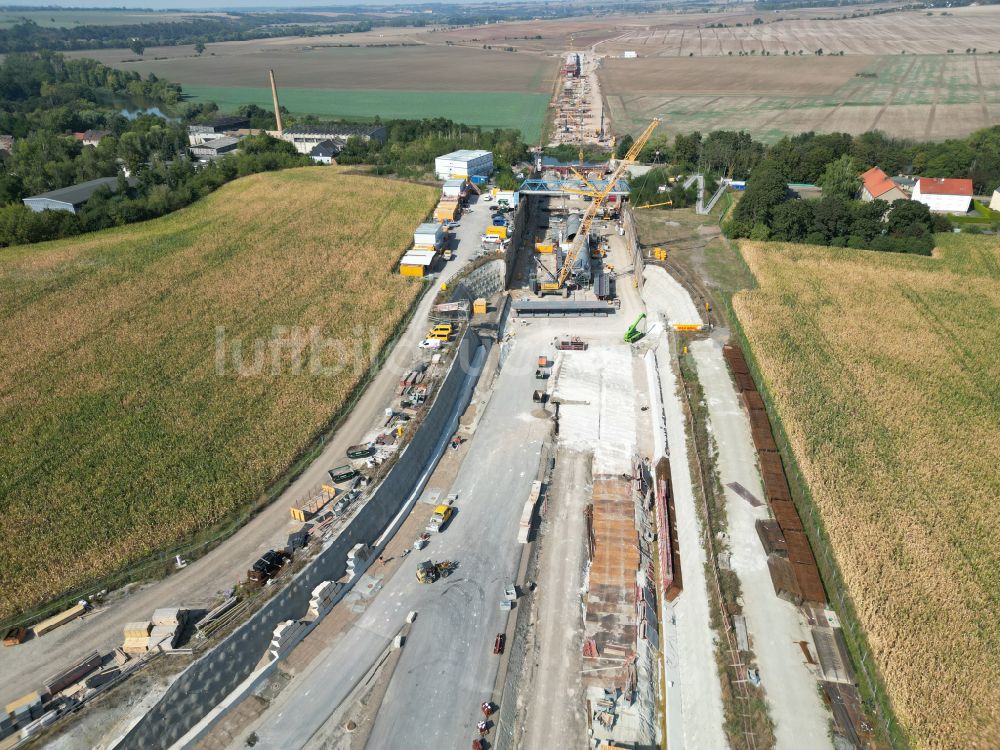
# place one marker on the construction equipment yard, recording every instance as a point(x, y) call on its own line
point(517, 545)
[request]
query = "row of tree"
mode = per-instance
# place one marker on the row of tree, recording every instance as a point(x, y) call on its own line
point(768, 211)
point(805, 156)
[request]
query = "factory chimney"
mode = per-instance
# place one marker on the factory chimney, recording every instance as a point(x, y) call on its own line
point(277, 109)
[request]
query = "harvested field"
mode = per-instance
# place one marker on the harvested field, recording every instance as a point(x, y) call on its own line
point(884, 371)
point(912, 33)
point(121, 431)
point(324, 63)
point(929, 97)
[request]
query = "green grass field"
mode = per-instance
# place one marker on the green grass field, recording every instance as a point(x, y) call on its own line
point(120, 433)
point(491, 110)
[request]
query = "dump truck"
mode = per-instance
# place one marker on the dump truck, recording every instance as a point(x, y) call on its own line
point(442, 515)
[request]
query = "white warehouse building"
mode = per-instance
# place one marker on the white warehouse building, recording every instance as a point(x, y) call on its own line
point(464, 163)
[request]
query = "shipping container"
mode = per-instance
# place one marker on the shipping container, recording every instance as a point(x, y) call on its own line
point(500, 232)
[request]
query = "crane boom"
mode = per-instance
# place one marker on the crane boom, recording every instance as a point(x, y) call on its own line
point(598, 201)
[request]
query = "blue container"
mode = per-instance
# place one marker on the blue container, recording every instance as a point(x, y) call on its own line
point(479, 179)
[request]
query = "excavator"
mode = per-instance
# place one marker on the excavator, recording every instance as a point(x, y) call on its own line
point(633, 333)
point(598, 196)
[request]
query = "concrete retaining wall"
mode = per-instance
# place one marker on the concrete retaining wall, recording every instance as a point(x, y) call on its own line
point(212, 677)
point(519, 225)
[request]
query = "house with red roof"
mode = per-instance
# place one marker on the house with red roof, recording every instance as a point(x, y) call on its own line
point(877, 185)
point(944, 194)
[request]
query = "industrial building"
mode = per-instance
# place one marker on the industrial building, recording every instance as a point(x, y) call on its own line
point(877, 185)
point(306, 137)
point(464, 164)
point(72, 198)
point(944, 195)
point(213, 149)
point(219, 127)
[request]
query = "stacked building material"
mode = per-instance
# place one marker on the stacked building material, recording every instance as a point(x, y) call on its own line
point(75, 673)
point(136, 637)
point(103, 677)
point(60, 619)
point(795, 574)
point(167, 626)
point(25, 709)
point(357, 558)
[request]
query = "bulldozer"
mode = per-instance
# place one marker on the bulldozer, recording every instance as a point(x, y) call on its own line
point(428, 572)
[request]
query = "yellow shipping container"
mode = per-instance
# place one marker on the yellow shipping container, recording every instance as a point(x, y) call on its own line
point(479, 307)
point(500, 232)
point(543, 248)
point(408, 270)
point(445, 212)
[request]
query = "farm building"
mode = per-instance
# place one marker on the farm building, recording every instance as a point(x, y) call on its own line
point(416, 263)
point(305, 137)
point(428, 235)
point(326, 152)
point(73, 197)
point(455, 188)
point(215, 148)
point(995, 200)
point(877, 185)
point(464, 163)
point(944, 195)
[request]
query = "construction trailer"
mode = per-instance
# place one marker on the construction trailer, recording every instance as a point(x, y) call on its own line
point(417, 263)
point(455, 187)
point(447, 210)
point(429, 236)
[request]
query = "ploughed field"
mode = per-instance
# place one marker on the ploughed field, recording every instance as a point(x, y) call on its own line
point(885, 373)
point(122, 430)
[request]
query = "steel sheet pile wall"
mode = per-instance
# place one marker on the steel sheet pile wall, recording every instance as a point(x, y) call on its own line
point(797, 575)
point(206, 682)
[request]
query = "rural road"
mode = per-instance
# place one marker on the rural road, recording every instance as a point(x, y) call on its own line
point(775, 626)
point(201, 582)
point(447, 667)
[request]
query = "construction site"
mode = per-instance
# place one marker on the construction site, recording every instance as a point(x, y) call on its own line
point(509, 543)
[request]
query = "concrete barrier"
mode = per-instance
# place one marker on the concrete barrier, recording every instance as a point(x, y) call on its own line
point(230, 665)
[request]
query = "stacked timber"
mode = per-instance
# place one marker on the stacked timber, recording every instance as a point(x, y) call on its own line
point(75, 673)
point(136, 637)
point(167, 626)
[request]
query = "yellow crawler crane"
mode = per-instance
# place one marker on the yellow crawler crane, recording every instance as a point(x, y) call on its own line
point(599, 196)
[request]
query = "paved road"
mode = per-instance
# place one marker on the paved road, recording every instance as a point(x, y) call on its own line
point(447, 667)
point(774, 625)
point(24, 667)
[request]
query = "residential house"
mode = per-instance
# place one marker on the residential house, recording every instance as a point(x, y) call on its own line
point(326, 152)
point(877, 185)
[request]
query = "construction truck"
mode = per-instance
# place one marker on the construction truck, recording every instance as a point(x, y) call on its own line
point(429, 572)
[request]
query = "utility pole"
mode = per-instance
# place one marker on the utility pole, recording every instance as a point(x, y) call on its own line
point(277, 109)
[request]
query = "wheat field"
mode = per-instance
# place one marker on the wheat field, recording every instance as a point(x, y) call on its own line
point(118, 434)
point(885, 372)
